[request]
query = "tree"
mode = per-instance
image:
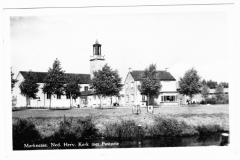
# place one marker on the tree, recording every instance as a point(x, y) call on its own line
point(72, 88)
point(224, 84)
point(13, 81)
point(219, 92)
point(205, 91)
point(149, 84)
point(54, 81)
point(106, 82)
point(212, 84)
point(204, 83)
point(29, 87)
point(190, 84)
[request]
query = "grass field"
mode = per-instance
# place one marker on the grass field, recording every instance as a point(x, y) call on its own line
point(48, 121)
point(204, 109)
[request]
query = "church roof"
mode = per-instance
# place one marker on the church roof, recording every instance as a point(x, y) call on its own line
point(83, 78)
point(161, 75)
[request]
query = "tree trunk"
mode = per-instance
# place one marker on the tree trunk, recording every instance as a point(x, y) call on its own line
point(190, 99)
point(26, 101)
point(70, 100)
point(44, 99)
point(100, 101)
point(50, 101)
point(148, 99)
point(111, 101)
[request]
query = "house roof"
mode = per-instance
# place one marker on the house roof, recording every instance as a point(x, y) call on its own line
point(83, 78)
point(161, 75)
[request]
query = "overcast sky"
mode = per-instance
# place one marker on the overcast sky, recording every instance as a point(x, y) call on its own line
point(177, 41)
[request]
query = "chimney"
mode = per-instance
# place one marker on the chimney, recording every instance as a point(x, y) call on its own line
point(130, 69)
point(166, 69)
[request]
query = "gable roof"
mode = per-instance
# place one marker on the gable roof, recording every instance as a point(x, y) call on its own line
point(83, 78)
point(161, 75)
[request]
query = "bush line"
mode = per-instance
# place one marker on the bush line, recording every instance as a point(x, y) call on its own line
point(70, 128)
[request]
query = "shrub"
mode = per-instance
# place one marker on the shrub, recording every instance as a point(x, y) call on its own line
point(87, 127)
point(203, 129)
point(126, 129)
point(214, 100)
point(73, 130)
point(164, 126)
point(25, 131)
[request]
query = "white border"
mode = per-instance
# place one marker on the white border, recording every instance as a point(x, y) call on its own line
point(180, 152)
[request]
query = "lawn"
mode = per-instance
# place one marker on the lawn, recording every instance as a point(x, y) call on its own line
point(208, 117)
point(201, 109)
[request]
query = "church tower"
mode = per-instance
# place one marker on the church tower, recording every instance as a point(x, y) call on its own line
point(97, 61)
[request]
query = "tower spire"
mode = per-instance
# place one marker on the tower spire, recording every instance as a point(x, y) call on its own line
point(96, 38)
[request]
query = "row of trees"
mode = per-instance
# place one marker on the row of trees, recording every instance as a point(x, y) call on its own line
point(213, 84)
point(106, 82)
point(191, 85)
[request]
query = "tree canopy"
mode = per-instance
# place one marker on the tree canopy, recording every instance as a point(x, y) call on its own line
point(29, 87)
point(190, 83)
point(106, 82)
point(205, 91)
point(224, 84)
point(212, 84)
point(149, 84)
point(71, 87)
point(219, 92)
point(54, 81)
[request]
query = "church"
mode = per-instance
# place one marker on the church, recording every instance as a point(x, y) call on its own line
point(87, 99)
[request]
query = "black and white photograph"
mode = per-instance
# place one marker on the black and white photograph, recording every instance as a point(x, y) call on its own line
point(120, 77)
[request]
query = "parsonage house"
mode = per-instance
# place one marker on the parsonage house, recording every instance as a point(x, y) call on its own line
point(168, 94)
point(87, 99)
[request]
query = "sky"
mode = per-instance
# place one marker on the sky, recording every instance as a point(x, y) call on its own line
point(174, 40)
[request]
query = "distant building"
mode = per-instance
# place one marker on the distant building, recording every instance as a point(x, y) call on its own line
point(212, 92)
point(87, 99)
point(168, 94)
